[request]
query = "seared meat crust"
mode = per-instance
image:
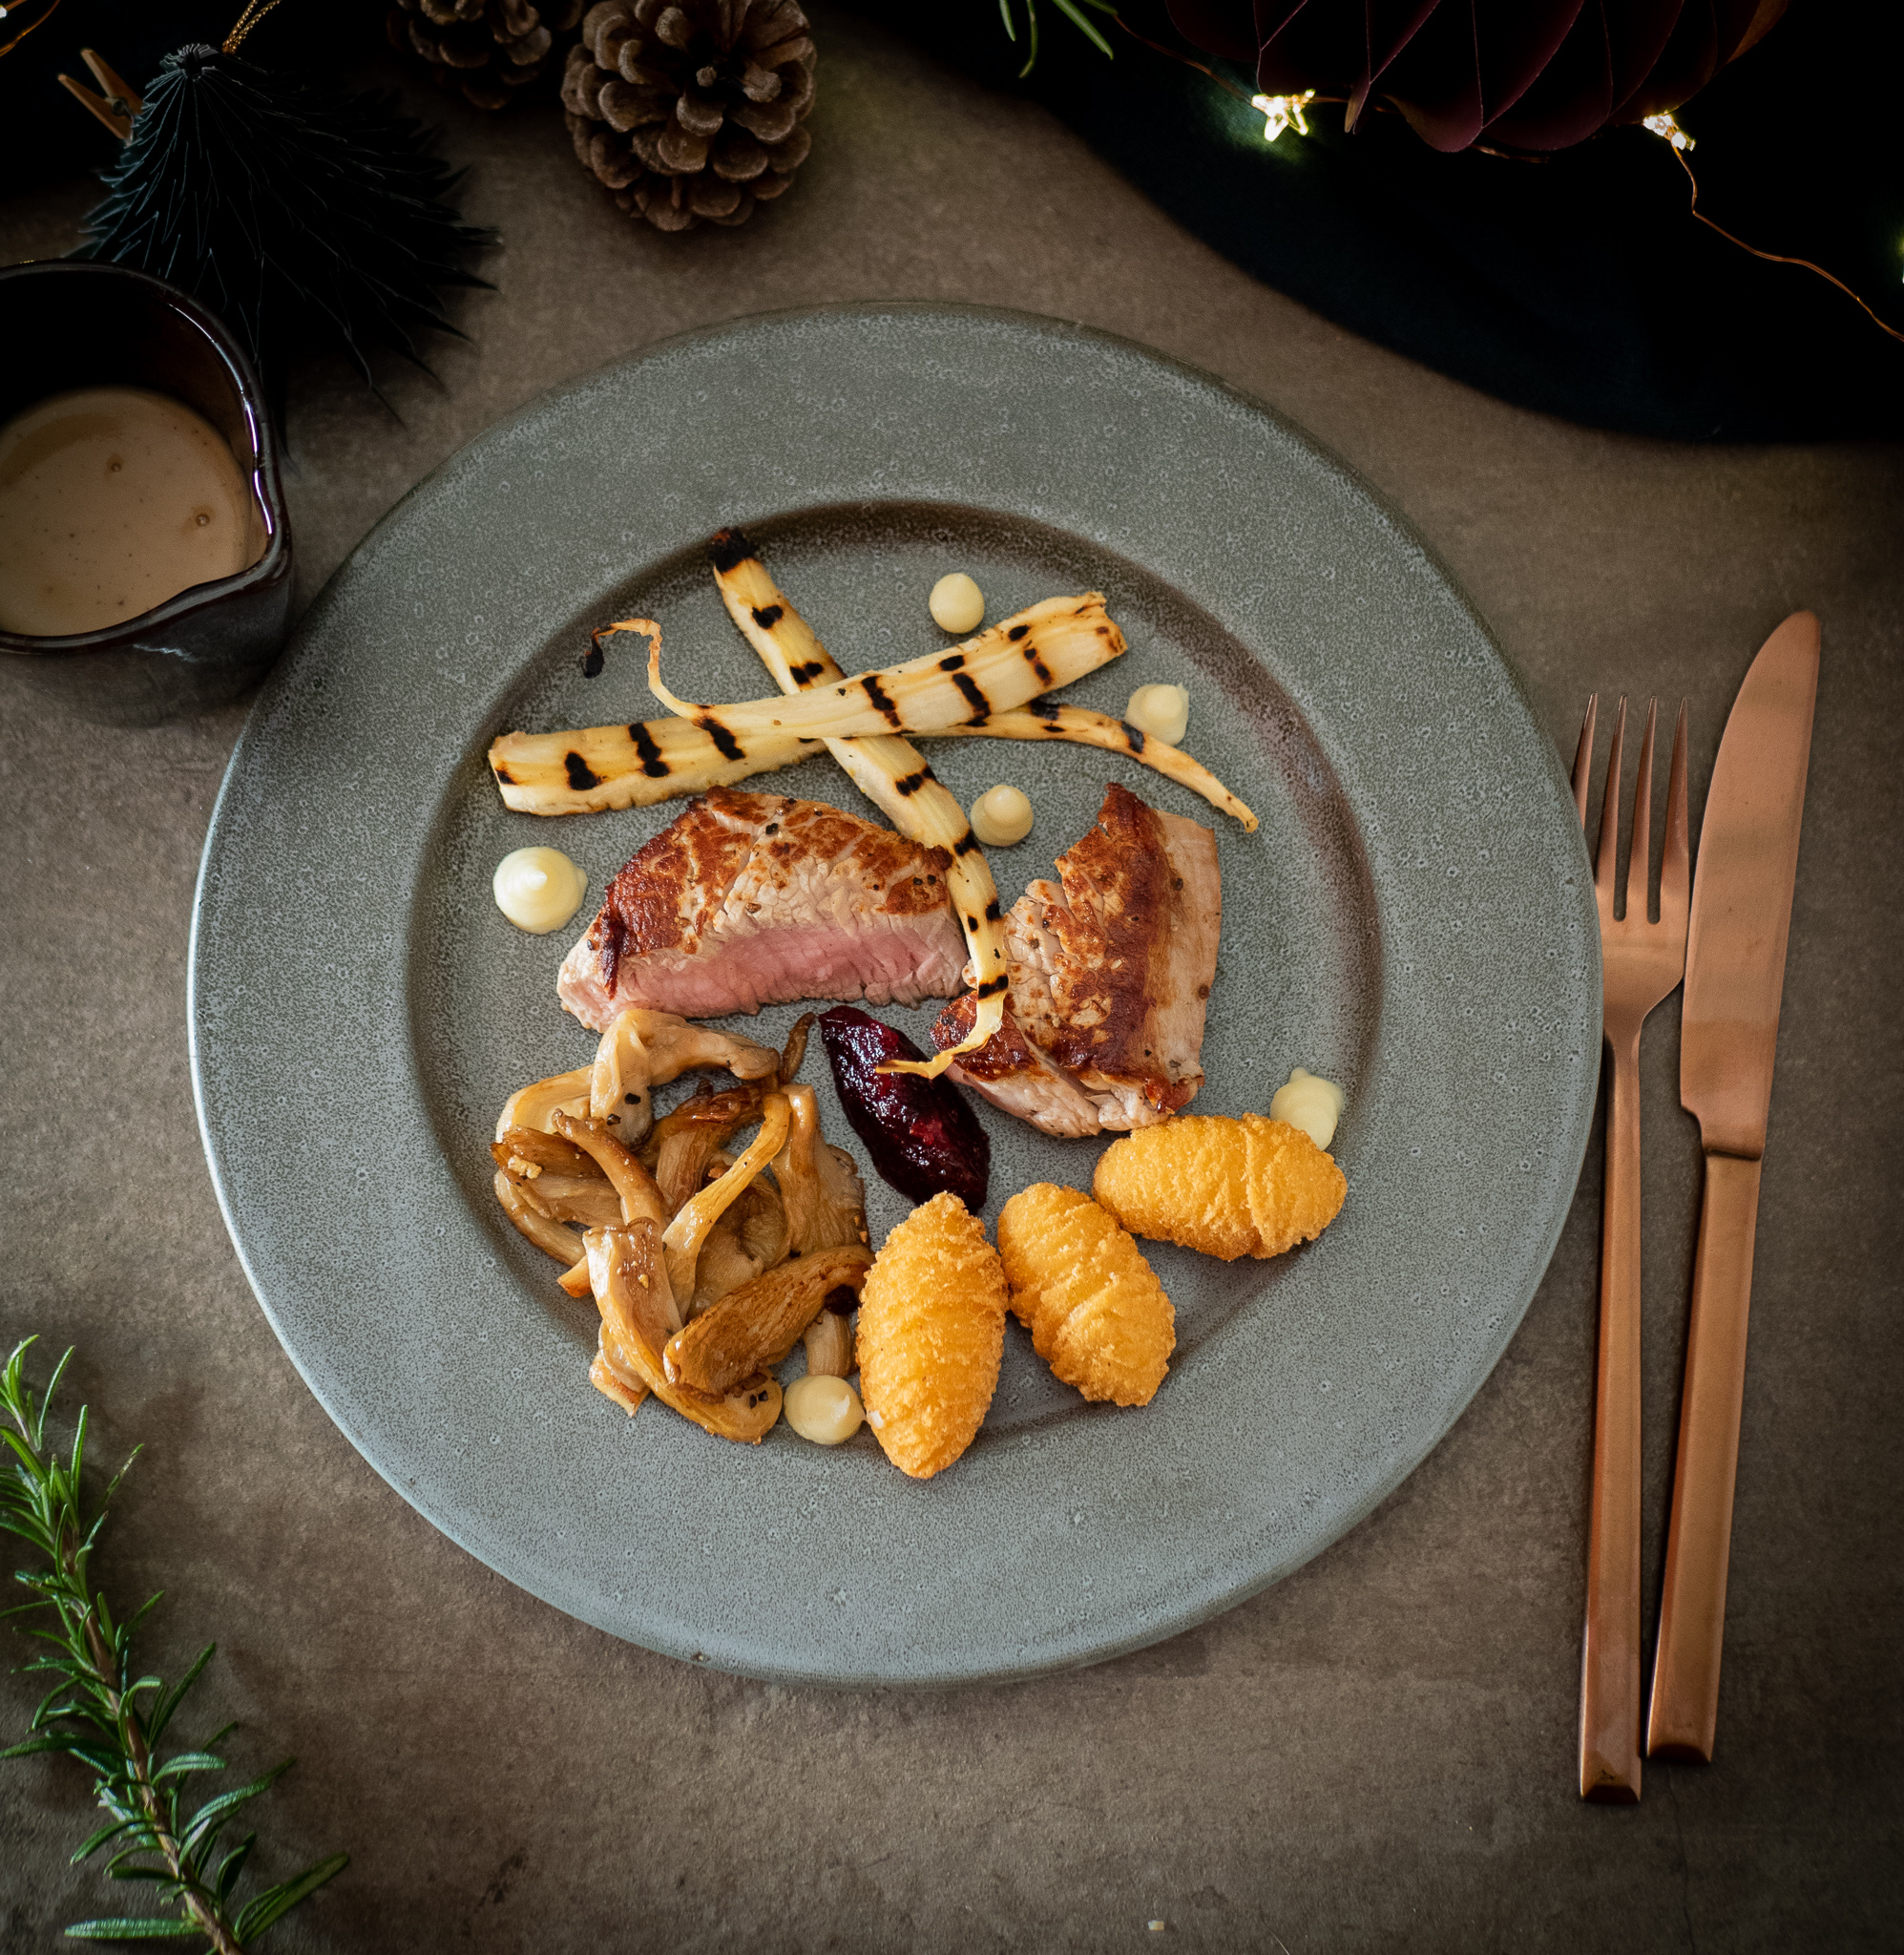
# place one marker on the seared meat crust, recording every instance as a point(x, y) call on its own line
point(753, 899)
point(1111, 972)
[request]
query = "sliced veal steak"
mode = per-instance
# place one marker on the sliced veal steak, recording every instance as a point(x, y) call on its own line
point(753, 899)
point(1111, 973)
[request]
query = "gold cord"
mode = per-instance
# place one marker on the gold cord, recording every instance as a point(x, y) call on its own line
point(255, 11)
point(1667, 129)
point(38, 20)
point(1777, 257)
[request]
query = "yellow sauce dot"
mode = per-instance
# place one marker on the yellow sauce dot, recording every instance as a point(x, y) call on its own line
point(1001, 816)
point(539, 890)
point(957, 604)
point(825, 1410)
point(1161, 711)
point(1311, 1103)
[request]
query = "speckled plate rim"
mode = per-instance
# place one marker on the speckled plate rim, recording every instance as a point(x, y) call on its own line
point(932, 1612)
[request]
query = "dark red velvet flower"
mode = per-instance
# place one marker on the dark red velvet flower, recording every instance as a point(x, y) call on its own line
point(1535, 74)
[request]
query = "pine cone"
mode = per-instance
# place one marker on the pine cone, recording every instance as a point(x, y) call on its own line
point(488, 51)
point(691, 110)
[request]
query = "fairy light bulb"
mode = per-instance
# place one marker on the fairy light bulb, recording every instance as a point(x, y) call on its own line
point(1283, 112)
point(1667, 129)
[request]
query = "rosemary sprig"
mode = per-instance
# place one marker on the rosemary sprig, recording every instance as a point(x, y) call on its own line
point(98, 1712)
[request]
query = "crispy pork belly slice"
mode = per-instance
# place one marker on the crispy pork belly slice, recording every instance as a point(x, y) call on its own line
point(1111, 972)
point(753, 899)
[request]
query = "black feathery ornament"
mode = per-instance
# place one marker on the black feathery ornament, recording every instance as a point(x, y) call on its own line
point(294, 212)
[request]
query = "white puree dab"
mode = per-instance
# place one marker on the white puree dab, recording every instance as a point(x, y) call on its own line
point(1311, 1103)
point(1162, 711)
point(824, 1408)
point(957, 604)
point(1001, 816)
point(539, 890)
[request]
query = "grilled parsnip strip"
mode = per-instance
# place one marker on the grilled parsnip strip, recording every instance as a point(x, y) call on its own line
point(1048, 645)
point(1045, 719)
point(891, 773)
point(597, 768)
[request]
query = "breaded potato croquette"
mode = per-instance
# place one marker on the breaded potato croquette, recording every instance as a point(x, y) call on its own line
point(1228, 1188)
point(1080, 1286)
point(931, 1331)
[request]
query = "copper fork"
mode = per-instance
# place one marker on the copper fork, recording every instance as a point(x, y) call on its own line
point(1641, 964)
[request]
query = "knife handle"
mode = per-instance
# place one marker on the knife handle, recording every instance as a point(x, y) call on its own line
point(1685, 1710)
point(1610, 1647)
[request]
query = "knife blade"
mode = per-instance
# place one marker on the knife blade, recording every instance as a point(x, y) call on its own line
point(1734, 980)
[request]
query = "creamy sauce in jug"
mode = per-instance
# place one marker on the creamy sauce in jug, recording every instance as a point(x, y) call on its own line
point(112, 500)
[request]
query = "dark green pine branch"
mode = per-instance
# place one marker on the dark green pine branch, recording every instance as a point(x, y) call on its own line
point(100, 1713)
point(1073, 11)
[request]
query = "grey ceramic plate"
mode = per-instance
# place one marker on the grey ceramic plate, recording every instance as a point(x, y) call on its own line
point(1413, 919)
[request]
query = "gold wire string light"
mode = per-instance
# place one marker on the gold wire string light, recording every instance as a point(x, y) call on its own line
point(1669, 132)
point(1286, 112)
point(1283, 112)
point(39, 20)
point(254, 12)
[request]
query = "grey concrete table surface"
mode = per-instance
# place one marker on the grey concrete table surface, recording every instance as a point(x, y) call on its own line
point(1376, 1753)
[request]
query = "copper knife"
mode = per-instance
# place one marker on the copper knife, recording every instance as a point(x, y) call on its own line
point(1734, 975)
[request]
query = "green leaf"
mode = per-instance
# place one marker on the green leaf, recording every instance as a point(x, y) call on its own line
point(219, 1809)
point(277, 1901)
point(189, 1761)
point(161, 1712)
point(1088, 29)
point(232, 1865)
point(113, 1484)
point(99, 1839)
point(138, 1929)
point(1005, 15)
point(107, 1764)
point(122, 1867)
point(47, 1710)
point(55, 1741)
point(49, 1395)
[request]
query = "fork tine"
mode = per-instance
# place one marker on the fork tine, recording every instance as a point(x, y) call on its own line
point(1583, 756)
point(1640, 851)
point(1609, 815)
point(1676, 861)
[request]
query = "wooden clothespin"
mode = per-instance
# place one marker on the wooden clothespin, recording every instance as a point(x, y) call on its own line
point(116, 107)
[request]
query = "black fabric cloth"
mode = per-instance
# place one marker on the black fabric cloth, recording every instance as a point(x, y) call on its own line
point(1578, 284)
